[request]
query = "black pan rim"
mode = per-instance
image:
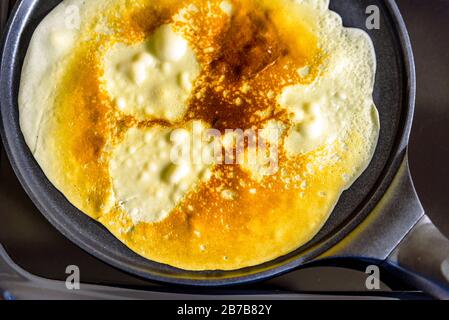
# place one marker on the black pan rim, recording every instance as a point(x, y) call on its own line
point(310, 254)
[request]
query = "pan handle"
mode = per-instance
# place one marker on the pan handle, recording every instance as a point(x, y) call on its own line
point(422, 259)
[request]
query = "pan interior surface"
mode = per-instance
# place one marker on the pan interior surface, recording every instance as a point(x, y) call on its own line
point(389, 97)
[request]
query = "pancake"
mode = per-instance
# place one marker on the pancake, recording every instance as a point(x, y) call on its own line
point(206, 135)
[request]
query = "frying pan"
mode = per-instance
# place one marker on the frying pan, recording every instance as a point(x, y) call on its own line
point(379, 220)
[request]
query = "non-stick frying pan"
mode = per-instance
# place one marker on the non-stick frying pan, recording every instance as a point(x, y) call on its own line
point(379, 220)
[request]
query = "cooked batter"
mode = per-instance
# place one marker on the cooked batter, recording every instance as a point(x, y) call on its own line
point(102, 102)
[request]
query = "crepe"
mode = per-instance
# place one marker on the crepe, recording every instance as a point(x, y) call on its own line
point(110, 88)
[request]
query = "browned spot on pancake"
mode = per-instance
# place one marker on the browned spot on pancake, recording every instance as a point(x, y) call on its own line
point(250, 45)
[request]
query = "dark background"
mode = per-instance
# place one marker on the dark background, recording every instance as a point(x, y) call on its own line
point(428, 25)
point(40, 249)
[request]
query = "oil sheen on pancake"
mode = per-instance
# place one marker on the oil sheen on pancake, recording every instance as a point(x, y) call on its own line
point(106, 83)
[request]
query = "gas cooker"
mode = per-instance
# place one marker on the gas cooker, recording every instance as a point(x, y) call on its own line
point(34, 256)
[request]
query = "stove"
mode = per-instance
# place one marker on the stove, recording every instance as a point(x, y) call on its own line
point(34, 256)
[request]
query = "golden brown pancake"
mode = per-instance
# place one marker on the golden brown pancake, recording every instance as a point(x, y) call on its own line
point(98, 112)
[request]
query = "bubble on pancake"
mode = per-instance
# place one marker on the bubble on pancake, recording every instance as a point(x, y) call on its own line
point(152, 79)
